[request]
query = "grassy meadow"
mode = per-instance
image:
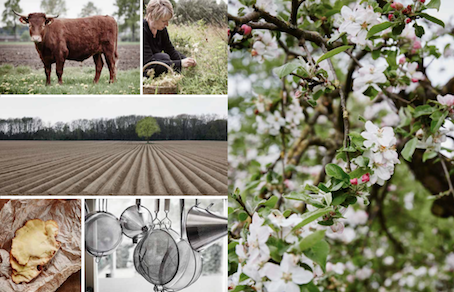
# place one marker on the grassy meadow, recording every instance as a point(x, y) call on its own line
point(208, 45)
point(25, 80)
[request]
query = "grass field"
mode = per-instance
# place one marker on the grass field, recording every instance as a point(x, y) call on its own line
point(208, 45)
point(24, 80)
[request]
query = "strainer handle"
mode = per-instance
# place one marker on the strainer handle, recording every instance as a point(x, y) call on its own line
point(138, 202)
point(167, 205)
point(156, 206)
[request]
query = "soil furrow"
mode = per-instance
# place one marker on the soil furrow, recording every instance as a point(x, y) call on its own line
point(171, 185)
point(128, 187)
point(204, 182)
point(156, 184)
point(186, 185)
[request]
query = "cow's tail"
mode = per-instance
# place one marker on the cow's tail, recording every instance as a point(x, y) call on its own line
point(116, 49)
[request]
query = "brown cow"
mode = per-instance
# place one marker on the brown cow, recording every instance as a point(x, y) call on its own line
point(57, 40)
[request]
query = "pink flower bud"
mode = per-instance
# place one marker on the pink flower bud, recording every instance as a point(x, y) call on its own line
point(390, 17)
point(422, 1)
point(393, 5)
point(338, 227)
point(399, 6)
point(365, 178)
point(417, 45)
point(408, 20)
point(246, 29)
point(402, 60)
point(354, 181)
point(228, 32)
point(414, 80)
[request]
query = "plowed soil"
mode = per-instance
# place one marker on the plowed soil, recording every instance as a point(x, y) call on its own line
point(111, 167)
point(26, 55)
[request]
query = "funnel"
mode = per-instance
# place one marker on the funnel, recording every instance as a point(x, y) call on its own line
point(204, 227)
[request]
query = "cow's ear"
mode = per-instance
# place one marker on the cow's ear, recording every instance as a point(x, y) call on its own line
point(24, 20)
point(49, 20)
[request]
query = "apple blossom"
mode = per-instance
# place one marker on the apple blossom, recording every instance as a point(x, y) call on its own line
point(258, 250)
point(447, 100)
point(369, 75)
point(264, 46)
point(286, 276)
point(354, 181)
point(357, 22)
point(376, 137)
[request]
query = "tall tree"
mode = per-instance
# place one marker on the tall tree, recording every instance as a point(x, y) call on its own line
point(54, 7)
point(146, 127)
point(129, 11)
point(89, 9)
point(8, 15)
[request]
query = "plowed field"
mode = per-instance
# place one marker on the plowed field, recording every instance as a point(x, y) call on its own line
point(108, 167)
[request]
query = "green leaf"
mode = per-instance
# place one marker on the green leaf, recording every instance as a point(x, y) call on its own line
point(429, 155)
point(359, 172)
point(242, 216)
point(397, 30)
point(438, 118)
point(339, 199)
point(312, 188)
point(308, 217)
point(286, 69)
point(318, 253)
point(309, 287)
point(310, 240)
point(371, 92)
point(423, 110)
point(379, 27)
point(435, 4)
point(419, 30)
point(376, 54)
point(333, 53)
point(432, 19)
point(409, 149)
point(336, 171)
point(271, 202)
point(231, 210)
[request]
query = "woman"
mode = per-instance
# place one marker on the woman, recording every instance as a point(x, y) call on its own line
point(156, 39)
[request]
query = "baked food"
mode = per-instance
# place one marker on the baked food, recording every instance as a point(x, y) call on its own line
point(33, 247)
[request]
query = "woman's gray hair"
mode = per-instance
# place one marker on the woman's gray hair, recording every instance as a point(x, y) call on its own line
point(158, 9)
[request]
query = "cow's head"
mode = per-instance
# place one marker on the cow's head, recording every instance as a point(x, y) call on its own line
point(37, 23)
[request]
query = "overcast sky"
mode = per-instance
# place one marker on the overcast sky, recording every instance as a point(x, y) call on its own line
point(66, 109)
point(73, 8)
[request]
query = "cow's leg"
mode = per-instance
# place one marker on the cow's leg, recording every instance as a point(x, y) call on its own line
point(47, 69)
point(60, 65)
point(111, 64)
point(98, 63)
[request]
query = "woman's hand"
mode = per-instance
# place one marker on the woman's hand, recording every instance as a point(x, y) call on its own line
point(188, 62)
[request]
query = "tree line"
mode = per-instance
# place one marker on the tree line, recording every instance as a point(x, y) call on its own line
point(181, 127)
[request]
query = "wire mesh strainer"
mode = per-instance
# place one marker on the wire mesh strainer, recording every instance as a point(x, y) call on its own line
point(103, 232)
point(156, 256)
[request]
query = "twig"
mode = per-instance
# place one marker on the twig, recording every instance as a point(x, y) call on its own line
point(344, 109)
point(243, 206)
point(448, 177)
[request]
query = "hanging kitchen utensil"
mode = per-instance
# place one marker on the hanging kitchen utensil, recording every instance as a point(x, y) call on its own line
point(204, 227)
point(136, 221)
point(188, 266)
point(156, 256)
point(102, 232)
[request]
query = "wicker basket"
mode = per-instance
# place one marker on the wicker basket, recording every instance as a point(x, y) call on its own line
point(151, 89)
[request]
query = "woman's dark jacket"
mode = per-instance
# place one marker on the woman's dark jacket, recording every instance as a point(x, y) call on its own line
point(153, 47)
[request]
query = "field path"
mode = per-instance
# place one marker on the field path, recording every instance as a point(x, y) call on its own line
point(113, 168)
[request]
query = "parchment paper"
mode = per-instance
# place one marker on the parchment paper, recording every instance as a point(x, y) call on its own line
point(67, 213)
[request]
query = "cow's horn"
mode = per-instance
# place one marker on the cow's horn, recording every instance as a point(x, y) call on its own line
point(51, 16)
point(24, 16)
